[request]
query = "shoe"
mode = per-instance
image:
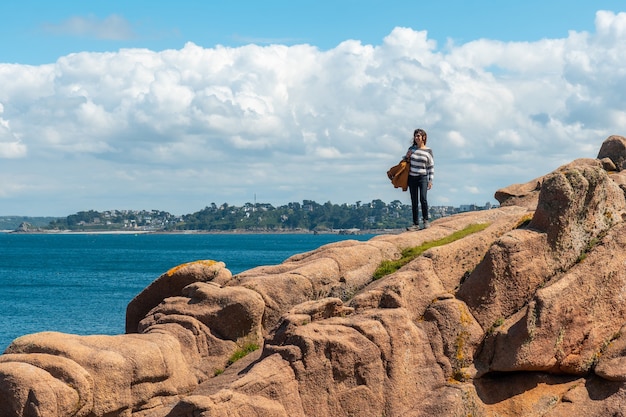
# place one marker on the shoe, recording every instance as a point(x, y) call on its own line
point(413, 228)
point(426, 225)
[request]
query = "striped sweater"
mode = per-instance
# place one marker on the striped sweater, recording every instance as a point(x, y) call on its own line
point(422, 162)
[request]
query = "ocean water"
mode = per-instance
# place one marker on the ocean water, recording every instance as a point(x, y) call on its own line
point(82, 283)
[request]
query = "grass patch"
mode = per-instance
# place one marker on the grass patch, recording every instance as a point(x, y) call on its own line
point(408, 254)
point(242, 352)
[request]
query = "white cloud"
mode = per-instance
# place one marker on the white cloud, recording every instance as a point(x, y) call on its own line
point(12, 150)
point(10, 146)
point(184, 128)
point(610, 25)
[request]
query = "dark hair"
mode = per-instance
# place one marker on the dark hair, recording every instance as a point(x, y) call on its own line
point(421, 132)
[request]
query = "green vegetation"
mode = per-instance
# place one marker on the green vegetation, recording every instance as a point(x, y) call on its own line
point(247, 348)
point(408, 254)
point(305, 216)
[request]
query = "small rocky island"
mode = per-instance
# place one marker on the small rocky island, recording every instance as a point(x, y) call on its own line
point(26, 227)
point(522, 315)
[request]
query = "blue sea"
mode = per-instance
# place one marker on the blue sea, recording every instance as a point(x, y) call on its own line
point(82, 283)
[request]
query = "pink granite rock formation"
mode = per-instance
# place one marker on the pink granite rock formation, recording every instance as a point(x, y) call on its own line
point(525, 317)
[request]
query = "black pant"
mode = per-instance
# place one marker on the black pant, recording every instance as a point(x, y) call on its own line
point(418, 187)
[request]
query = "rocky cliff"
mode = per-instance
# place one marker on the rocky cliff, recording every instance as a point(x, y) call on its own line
point(523, 317)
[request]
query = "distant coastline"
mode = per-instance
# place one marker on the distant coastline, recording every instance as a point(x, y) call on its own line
point(192, 232)
point(299, 218)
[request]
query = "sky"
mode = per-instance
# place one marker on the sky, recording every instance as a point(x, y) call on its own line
point(176, 105)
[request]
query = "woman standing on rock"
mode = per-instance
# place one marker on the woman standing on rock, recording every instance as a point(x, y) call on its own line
point(421, 176)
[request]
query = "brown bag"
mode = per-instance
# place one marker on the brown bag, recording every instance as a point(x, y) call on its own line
point(399, 175)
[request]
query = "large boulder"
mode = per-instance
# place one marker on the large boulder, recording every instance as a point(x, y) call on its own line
point(210, 322)
point(577, 204)
point(505, 280)
point(569, 321)
point(357, 364)
point(54, 374)
point(229, 312)
point(523, 195)
point(171, 284)
point(614, 148)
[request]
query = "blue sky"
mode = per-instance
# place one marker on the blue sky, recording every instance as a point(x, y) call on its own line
point(147, 105)
point(41, 31)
